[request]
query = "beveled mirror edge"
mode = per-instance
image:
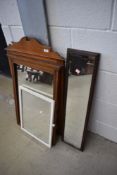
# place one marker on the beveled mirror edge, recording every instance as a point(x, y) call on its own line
point(93, 82)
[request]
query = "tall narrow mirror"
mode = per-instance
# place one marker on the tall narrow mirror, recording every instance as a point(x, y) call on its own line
point(81, 68)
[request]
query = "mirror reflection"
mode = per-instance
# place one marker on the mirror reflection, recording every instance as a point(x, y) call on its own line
point(36, 103)
point(36, 79)
point(36, 115)
point(80, 71)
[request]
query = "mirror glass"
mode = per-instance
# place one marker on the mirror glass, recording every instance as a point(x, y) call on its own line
point(80, 68)
point(36, 79)
point(36, 112)
point(36, 103)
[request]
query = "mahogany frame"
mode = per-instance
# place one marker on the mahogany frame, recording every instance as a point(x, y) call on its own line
point(31, 53)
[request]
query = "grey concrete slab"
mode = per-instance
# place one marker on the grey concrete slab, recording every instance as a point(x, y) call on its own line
point(34, 19)
point(60, 40)
point(20, 154)
point(114, 24)
point(77, 13)
point(106, 87)
point(9, 14)
point(97, 41)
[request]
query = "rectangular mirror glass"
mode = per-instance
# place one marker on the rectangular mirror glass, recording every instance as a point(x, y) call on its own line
point(37, 79)
point(36, 112)
point(81, 70)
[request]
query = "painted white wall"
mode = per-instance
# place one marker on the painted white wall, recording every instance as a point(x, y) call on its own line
point(10, 20)
point(91, 25)
point(87, 25)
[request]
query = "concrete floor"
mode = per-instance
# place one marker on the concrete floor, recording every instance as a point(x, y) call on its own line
point(21, 155)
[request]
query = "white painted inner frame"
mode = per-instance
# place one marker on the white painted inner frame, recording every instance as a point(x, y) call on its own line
point(33, 92)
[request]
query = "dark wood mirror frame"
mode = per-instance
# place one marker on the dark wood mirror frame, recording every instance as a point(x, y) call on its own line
point(31, 53)
point(86, 54)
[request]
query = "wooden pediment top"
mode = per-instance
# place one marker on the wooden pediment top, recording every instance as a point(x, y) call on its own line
point(32, 47)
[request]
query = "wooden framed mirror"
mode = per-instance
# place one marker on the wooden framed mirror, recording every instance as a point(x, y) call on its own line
point(81, 71)
point(38, 68)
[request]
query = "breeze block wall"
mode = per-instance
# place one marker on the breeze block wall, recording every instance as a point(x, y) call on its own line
point(91, 25)
point(87, 25)
point(10, 20)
